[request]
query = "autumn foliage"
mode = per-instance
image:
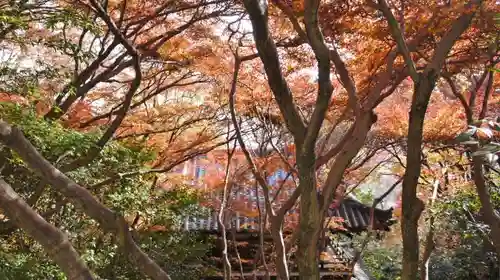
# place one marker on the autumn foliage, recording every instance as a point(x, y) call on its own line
point(245, 107)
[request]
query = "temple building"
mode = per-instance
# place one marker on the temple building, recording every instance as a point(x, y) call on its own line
point(344, 219)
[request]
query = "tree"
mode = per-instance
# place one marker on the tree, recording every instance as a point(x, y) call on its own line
point(137, 88)
point(424, 83)
point(361, 103)
point(74, 35)
point(51, 237)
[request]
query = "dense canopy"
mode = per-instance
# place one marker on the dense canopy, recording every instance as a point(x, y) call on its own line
point(123, 121)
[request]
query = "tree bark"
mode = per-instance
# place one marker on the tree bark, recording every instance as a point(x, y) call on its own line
point(487, 93)
point(424, 85)
point(237, 252)
point(429, 239)
point(279, 244)
point(310, 220)
point(489, 215)
point(262, 225)
point(276, 220)
point(221, 217)
point(54, 242)
point(82, 199)
point(412, 205)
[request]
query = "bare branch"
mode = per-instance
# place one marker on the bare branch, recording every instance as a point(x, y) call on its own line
point(449, 39)
point(114, 29)
point(157, 170)
point(325, 89)
point(461, 98)
point(346, 80)
point(276, 221)
point(399, 37)
point(221, 215)
point(429, 239)
point(487, 93)
point(257, 9)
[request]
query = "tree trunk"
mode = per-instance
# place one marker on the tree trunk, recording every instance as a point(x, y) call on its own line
point(54, 242)
point(221, 218)
point(429, 239)
point(262, 225)
point(108, 220)
point(310, 220)
point(412, 205)
point(490, 216)
point(424, 84)
point(237, 252)
point(225, 257)
point(279, 244)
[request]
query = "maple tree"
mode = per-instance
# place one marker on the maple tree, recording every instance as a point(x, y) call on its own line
point(362, 99)
point(322, 87)
point(109, 29)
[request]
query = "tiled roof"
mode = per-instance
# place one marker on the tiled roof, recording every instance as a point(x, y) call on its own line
point(355, 216)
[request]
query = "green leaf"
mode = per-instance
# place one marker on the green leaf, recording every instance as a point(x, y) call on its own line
point(466, 135)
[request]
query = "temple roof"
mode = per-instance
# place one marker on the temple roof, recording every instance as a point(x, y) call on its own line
point(336, 258)
point(355, 217)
